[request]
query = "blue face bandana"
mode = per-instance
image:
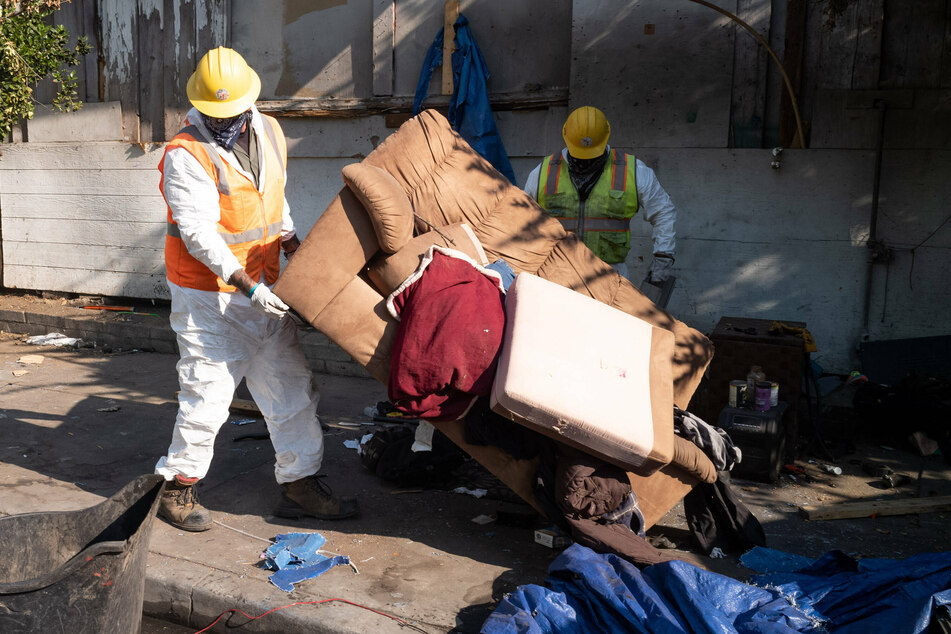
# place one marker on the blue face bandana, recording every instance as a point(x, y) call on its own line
point(226, 131)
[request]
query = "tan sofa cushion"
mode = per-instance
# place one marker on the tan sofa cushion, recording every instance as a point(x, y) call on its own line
point(390, 210)
point(387, 271)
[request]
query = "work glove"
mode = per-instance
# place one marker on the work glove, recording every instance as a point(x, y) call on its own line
point(266, 302)
point(660, 267)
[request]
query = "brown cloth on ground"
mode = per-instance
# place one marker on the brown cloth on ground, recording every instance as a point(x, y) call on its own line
point(585, 489)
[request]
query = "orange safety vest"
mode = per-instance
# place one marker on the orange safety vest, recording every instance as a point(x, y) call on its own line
point(250, 221)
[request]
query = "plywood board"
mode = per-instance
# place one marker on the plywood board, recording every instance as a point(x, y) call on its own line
point(750, 63)
point(93, 122)
point(383, 43)
point(526, 45)
point(91, 282)
point(81, 182)
point(67, 156)
point(661, 71)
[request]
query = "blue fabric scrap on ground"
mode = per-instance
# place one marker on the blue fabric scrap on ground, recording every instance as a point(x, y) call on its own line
point(591, 592)
point(295, 558)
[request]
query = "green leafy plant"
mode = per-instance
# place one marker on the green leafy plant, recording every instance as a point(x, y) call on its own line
point(31, 49)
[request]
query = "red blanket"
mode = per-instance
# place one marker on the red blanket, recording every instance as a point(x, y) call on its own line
point(452, 317)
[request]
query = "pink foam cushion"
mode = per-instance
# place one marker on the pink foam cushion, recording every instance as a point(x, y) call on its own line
point(586, 374)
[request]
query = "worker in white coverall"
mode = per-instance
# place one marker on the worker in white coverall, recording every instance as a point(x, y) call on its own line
point(595, 191)
point(228, 220)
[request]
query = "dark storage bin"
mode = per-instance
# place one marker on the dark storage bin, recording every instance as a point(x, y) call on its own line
point(742, 342)
point(79, 572)
point(761, 436)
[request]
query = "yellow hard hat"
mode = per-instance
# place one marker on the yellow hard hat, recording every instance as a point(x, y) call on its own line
point(223, 85)
point(586, 132)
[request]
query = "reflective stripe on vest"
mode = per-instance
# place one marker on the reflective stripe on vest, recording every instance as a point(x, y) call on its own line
point(602, 221)
point(251, 235)
point(596, 224)
point(250, 219)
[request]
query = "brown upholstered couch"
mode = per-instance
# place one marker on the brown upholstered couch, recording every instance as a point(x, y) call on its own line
point(370, 237)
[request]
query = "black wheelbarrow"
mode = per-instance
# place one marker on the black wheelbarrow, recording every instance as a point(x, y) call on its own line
point(79, 571)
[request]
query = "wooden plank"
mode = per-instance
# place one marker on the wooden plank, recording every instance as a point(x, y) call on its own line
point(357, 107)
point(81, 182)
point(211, 24)
point(180, 61)
point(94, 283)
point(877, 508)
point(450, 15)
point(91, 71)
point(837, 50)
point(69, 156)
point(750, 62)
point(870, 20)
point(119, 67)
point(92, 122)
point(80, 257)
point(101, 233)
point(925, 49)
point(84, 232)
point(383, 33)
point(70, 207)
point(244, 405)
point(150, 56)
point(945, 80)
point(792, 63)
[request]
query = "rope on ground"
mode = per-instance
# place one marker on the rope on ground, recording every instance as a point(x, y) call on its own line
point(290, 605)
point(238, 530)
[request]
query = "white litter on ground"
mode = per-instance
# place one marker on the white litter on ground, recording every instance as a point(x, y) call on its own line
point(357, 444)
point(717, 553)
point(57, 339)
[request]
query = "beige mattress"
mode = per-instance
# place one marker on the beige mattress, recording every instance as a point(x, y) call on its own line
point(586, 374)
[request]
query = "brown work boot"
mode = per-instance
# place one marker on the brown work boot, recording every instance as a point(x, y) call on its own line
point(179, 506)
point(310, 497)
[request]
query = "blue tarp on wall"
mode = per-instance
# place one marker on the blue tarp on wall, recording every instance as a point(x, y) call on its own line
point(469, 111)
point(590, 592)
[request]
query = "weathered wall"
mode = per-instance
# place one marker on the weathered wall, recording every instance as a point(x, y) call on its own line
point(684, 88)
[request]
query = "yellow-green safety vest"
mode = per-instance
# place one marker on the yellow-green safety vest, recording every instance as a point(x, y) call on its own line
point(603, 221)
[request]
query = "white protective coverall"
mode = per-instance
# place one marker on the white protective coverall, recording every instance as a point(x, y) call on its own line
point(653, 204)
point(222, 339)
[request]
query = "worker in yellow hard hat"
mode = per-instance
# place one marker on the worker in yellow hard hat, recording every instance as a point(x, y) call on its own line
point(223, 181)
point(595, 190)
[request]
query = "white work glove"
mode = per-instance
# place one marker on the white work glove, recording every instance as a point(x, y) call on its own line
point(266, 302)
point(660, 267)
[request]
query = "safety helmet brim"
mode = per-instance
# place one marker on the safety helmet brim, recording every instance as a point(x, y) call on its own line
point(223, 109)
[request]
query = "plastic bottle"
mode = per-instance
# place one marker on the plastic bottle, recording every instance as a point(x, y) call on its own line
point(756, 374)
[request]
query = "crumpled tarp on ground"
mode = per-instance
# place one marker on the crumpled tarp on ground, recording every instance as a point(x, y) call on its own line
point(588, 592)
point(296, 557)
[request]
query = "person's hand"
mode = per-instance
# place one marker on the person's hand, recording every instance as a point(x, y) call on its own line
point(660, 267)
point(290, 245)
point(265, 301)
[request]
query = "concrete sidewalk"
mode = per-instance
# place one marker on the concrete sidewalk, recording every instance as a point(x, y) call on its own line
point(420, 556)
point(83, 423)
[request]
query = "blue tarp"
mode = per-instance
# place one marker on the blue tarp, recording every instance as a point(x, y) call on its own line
point(296, 557)
point(591, 592)
point(469, 111)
